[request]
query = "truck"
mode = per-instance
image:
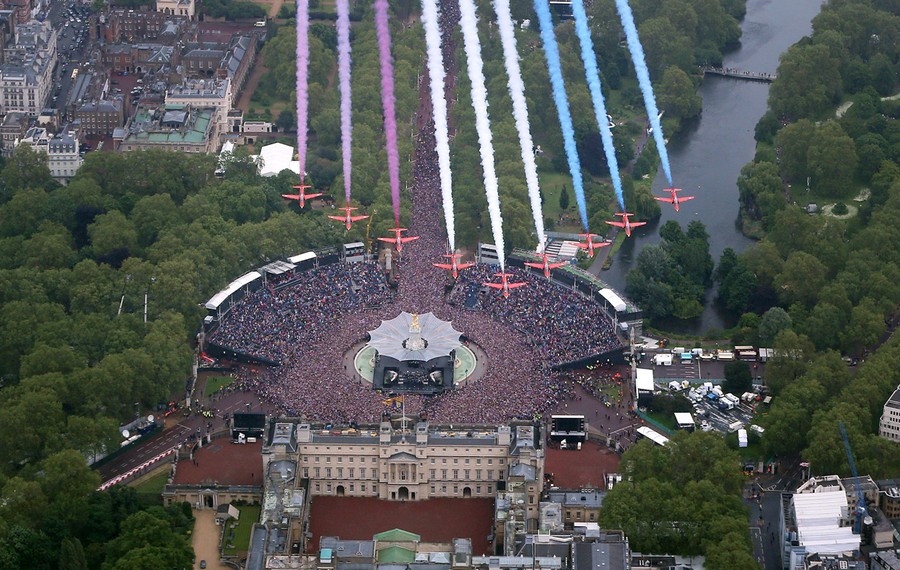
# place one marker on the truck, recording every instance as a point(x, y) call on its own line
point(726, 355)
point(725, 404)
point(733, 399)
point(662, 360)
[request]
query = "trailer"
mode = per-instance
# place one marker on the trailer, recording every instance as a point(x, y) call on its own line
point(662, 360)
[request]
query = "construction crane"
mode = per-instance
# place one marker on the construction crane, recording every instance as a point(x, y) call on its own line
point(860, 498)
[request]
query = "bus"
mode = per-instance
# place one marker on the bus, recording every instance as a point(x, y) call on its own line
point(657, 438)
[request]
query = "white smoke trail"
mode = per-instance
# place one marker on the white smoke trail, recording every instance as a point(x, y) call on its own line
point(520, 112)
point(469, 23)
point(439, 111)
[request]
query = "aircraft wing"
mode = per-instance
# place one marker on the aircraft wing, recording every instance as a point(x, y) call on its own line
point(291, 196)
point(535, 265)
point(514, 285)
point(685, 198)
point(406, 239)
point(388, 240)
point(353, 218)
point(636, 224)
point(339, 218)
point(555, 265)
point(446, 266)
point(464, 265)
point(617, 224)
point(495, 285)
point(667, 200)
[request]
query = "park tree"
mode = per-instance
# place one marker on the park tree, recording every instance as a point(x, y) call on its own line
point(809, 82)
point(665, 46)
point(790, 360)
point(831, 160)
point(773, 322)
point(738, 377)
point(802, 279)
point(677, 94)
point(794, 141)
point(761, 190)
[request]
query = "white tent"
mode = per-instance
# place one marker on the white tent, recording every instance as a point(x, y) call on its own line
point(275, 157)
point(643, 381)
point(818, 517)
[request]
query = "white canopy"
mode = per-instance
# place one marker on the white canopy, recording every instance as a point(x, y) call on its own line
point(818, 518)
point(617, 303)
point(390, 337)
point(643, 380)
point(232, 288)
point(275, 157)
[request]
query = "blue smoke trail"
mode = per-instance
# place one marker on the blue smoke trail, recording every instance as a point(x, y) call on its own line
point(593, 80)
point(551, 53)
point(643, 75)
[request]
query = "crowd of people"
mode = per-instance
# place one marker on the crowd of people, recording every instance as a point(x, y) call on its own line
point(563, 326)
point(310, 325)
point(271, 323)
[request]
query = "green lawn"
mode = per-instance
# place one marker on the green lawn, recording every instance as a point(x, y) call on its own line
point(152, 488)
point(216, 383)
point(237, 533)
point(613, 392)
point(551, 185)
point(667, 420)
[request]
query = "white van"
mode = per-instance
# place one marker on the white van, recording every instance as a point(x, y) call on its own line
point(260, 24)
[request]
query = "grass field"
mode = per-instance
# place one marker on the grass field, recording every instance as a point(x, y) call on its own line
point(237, 533)
point(216, 383)
point(613, 392)
point(667, 420)
point(154, 485)
point(551, 186)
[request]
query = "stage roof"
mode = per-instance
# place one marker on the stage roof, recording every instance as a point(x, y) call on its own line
point(389, 337)
point(644, 380)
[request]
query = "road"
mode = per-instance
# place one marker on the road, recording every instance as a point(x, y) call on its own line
point(181, 429)
point(71, 45)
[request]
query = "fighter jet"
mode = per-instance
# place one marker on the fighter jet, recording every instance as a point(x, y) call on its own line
point(398, 240)
point(675, 200)
point(625, 223)
point(348, 219)
point(454, 266)
point(302, 196)
point(504, 285)
point(545, 264)
point(590, 245)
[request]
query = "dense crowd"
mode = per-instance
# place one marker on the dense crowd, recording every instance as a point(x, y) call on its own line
point(271, 323)
point(309, 326)
point(562, 326)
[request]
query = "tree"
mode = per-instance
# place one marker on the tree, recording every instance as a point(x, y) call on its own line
point(111, 233)
point(71, 555)
point(791, 358)
point(803, 277)
point(809, 82)
point(832, 160)
point(677, 94)
point(26, 168)
point(738, 377)
point(564, 198)
point(794, 141)
point(773, 322)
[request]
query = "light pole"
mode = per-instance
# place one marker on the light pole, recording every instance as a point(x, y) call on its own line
point(122, 300)
point(146, 297)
